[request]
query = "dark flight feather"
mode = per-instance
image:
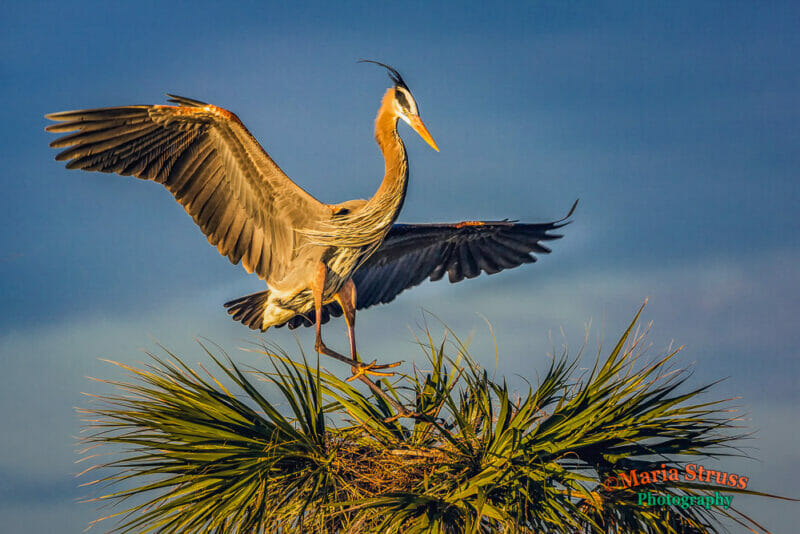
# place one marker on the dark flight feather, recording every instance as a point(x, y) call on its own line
point(413, 252)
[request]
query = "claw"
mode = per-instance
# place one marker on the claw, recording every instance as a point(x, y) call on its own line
point(372, 369)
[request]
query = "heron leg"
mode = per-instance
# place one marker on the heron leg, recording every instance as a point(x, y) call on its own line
point(360, 370)
point(346, 297)
point(317, 287)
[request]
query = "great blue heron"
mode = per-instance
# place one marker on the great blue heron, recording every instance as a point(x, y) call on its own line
point(312, 255)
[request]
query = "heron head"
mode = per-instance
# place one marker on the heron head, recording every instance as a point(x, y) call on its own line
point(404, 105)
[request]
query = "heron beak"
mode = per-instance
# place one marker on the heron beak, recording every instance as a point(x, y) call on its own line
point(415, 122)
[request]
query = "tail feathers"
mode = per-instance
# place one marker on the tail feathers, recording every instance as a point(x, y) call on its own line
point(249, 310)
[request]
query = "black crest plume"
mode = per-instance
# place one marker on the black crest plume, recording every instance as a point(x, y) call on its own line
point(393, 74)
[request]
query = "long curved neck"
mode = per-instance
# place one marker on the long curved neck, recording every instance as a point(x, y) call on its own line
point(367, 226)
point(389, 197)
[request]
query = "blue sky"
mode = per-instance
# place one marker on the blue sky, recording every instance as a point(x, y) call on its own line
point(676, 126)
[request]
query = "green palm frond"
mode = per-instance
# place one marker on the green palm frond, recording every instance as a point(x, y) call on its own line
point(193, 456)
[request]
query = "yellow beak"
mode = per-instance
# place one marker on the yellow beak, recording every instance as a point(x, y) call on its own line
point(423, 132)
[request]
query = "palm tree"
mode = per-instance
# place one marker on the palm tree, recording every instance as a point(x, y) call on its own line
point(195, 456)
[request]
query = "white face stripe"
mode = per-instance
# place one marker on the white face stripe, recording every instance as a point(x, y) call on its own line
point(412, 104)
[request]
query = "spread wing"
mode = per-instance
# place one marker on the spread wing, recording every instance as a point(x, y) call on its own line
point(412, 253)
point(246, 206)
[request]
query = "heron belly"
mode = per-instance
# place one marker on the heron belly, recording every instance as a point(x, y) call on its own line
point(285, 302)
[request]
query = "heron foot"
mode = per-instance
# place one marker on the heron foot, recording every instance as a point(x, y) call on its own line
point(360, 369)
